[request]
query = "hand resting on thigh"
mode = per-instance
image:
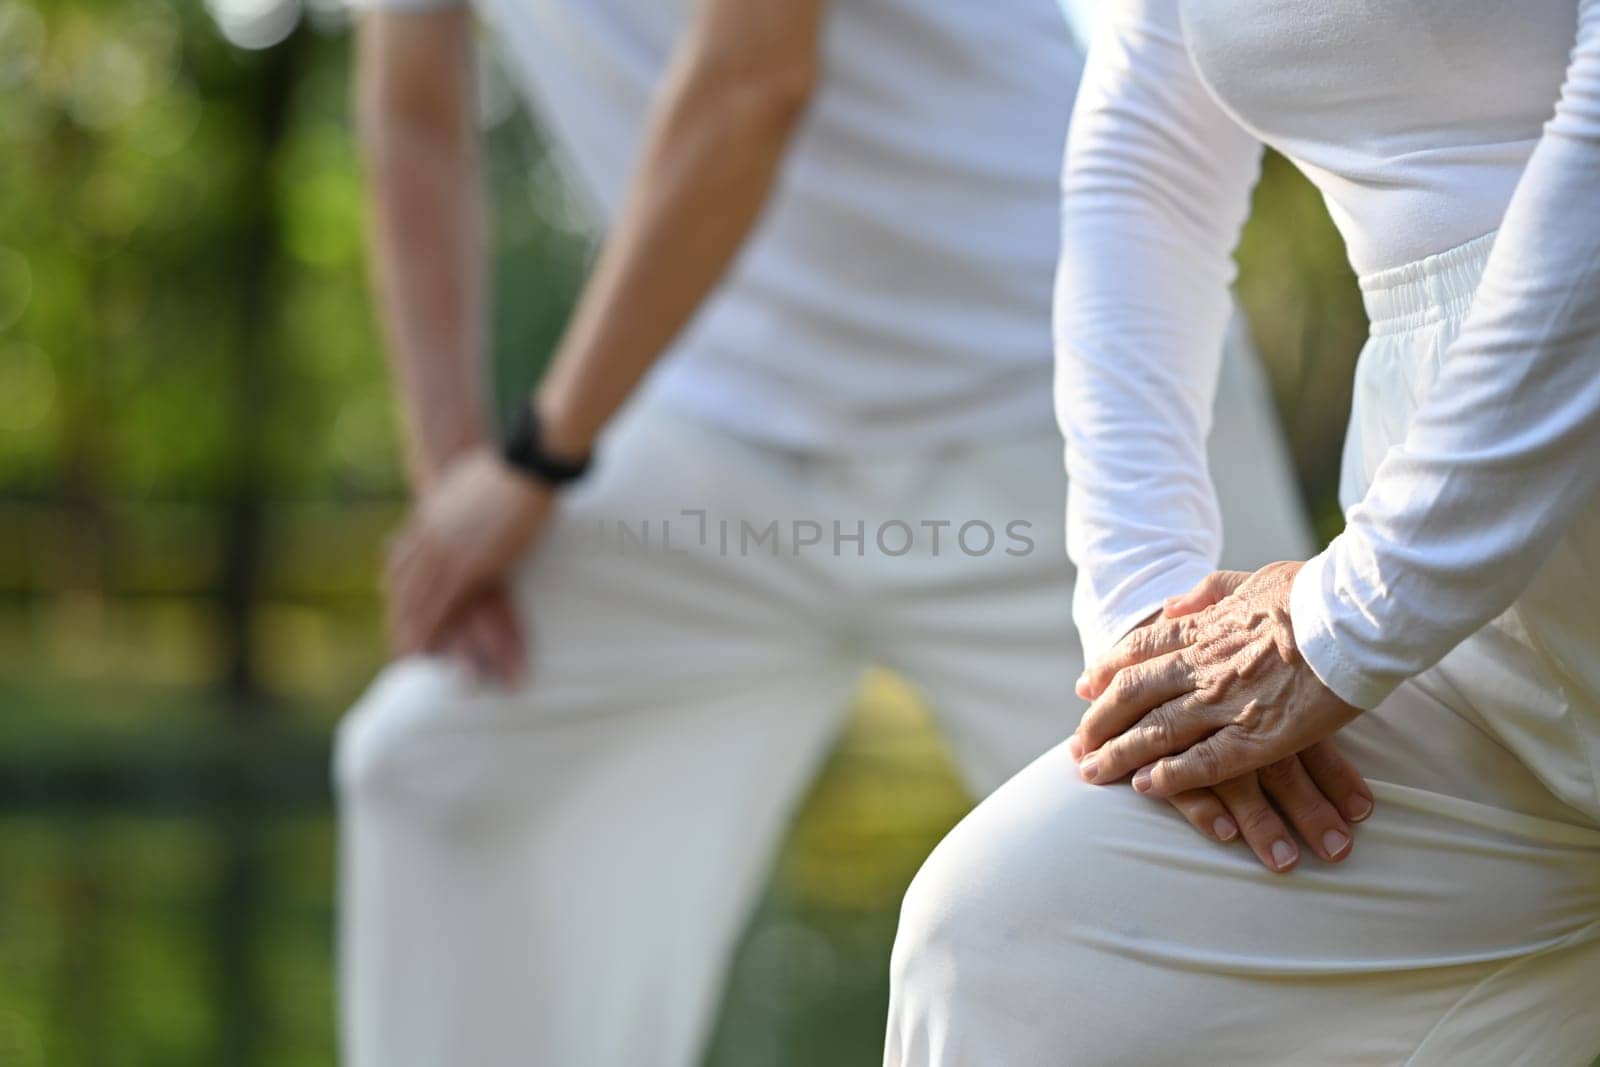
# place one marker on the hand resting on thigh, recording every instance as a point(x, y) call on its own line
point(1316, 791)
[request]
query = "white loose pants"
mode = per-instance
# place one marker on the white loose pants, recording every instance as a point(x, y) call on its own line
point(1063, 924)
point(558, 875)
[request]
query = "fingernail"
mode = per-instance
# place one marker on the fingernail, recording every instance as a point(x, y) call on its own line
point(1335, 842)
point(1089, 768)
point(1359, 808)
point(1075, 747)
point(1224, 828)
point(1141, 780)
point(1282, 854)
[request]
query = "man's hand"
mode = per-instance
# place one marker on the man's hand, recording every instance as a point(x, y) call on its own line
point(487, 637)
point(474, 523)
point(1192, 701)
point(1318, 791)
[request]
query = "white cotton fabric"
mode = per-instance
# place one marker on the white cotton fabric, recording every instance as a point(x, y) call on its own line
point(1063, 924)
point(1069, 925)
point(890, 297)
point(559, 873)
point(1424, 128)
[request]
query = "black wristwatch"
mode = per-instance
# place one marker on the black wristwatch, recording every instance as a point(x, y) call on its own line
point(524, 451)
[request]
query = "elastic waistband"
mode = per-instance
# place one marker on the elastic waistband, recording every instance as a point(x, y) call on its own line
point(1429, 290)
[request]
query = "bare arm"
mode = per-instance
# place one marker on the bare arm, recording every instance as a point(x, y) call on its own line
point(414, 108)
point(734, 93)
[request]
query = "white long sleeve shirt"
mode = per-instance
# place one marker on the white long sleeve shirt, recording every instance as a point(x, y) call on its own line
point(1424, 126)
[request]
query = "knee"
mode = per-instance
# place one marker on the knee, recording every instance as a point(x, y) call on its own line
point(1007, 925)
point(959, 973)
point(392, 750)
point(962, 909)
point(986, 894)
point(1015, 864)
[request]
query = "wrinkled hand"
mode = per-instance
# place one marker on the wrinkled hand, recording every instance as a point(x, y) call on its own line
point(446, 565)
point(1317, 791)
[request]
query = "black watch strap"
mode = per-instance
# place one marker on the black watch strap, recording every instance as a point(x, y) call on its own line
point(524, 451)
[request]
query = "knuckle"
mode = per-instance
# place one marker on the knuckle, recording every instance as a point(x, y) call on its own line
point(1334, 768)
point(1108, 760)
point(1201, 810)
point(1279, 776)
point(1313, 813)
point(1101, 673)
point(1196, 704)
point(1259, 821)
point(1208, 806)
point(1208, 761)
point(1191, 803)
point(1161, 729)
point(1184, 671)
point(1318, 759)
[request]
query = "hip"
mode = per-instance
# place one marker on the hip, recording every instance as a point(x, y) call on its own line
point(1531, 676)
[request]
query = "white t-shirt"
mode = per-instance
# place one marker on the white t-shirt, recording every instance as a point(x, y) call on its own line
point(896, 292)
point(1425, 126)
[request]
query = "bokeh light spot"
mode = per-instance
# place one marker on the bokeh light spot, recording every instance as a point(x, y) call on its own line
point(108, 84)
point(255, 24)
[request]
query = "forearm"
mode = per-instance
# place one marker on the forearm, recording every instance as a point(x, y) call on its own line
point(1155, 191)
point(712, 154)
point(421, 150)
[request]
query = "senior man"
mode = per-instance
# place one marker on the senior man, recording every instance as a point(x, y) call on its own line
point(817, 338)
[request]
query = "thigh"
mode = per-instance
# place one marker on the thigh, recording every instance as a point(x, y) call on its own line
point(521, 887)
point(640, 583)
point(996, 661)
point(525, 867)
point(1063, 923)
point(987, 637)
point(629, 613)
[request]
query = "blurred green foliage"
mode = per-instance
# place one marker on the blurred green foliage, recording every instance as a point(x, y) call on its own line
point(198, 464)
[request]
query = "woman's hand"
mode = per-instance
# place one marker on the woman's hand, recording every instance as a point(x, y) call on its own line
point(1317, 792)
point(469, 529)
point(1192, 701)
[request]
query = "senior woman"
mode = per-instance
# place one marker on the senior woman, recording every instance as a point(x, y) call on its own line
point(1451, 633)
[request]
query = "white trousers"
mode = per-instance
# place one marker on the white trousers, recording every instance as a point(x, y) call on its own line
point(558, 875)
point(1064, 924)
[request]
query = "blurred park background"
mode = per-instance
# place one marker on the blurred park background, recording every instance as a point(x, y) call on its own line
point(198, 467)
